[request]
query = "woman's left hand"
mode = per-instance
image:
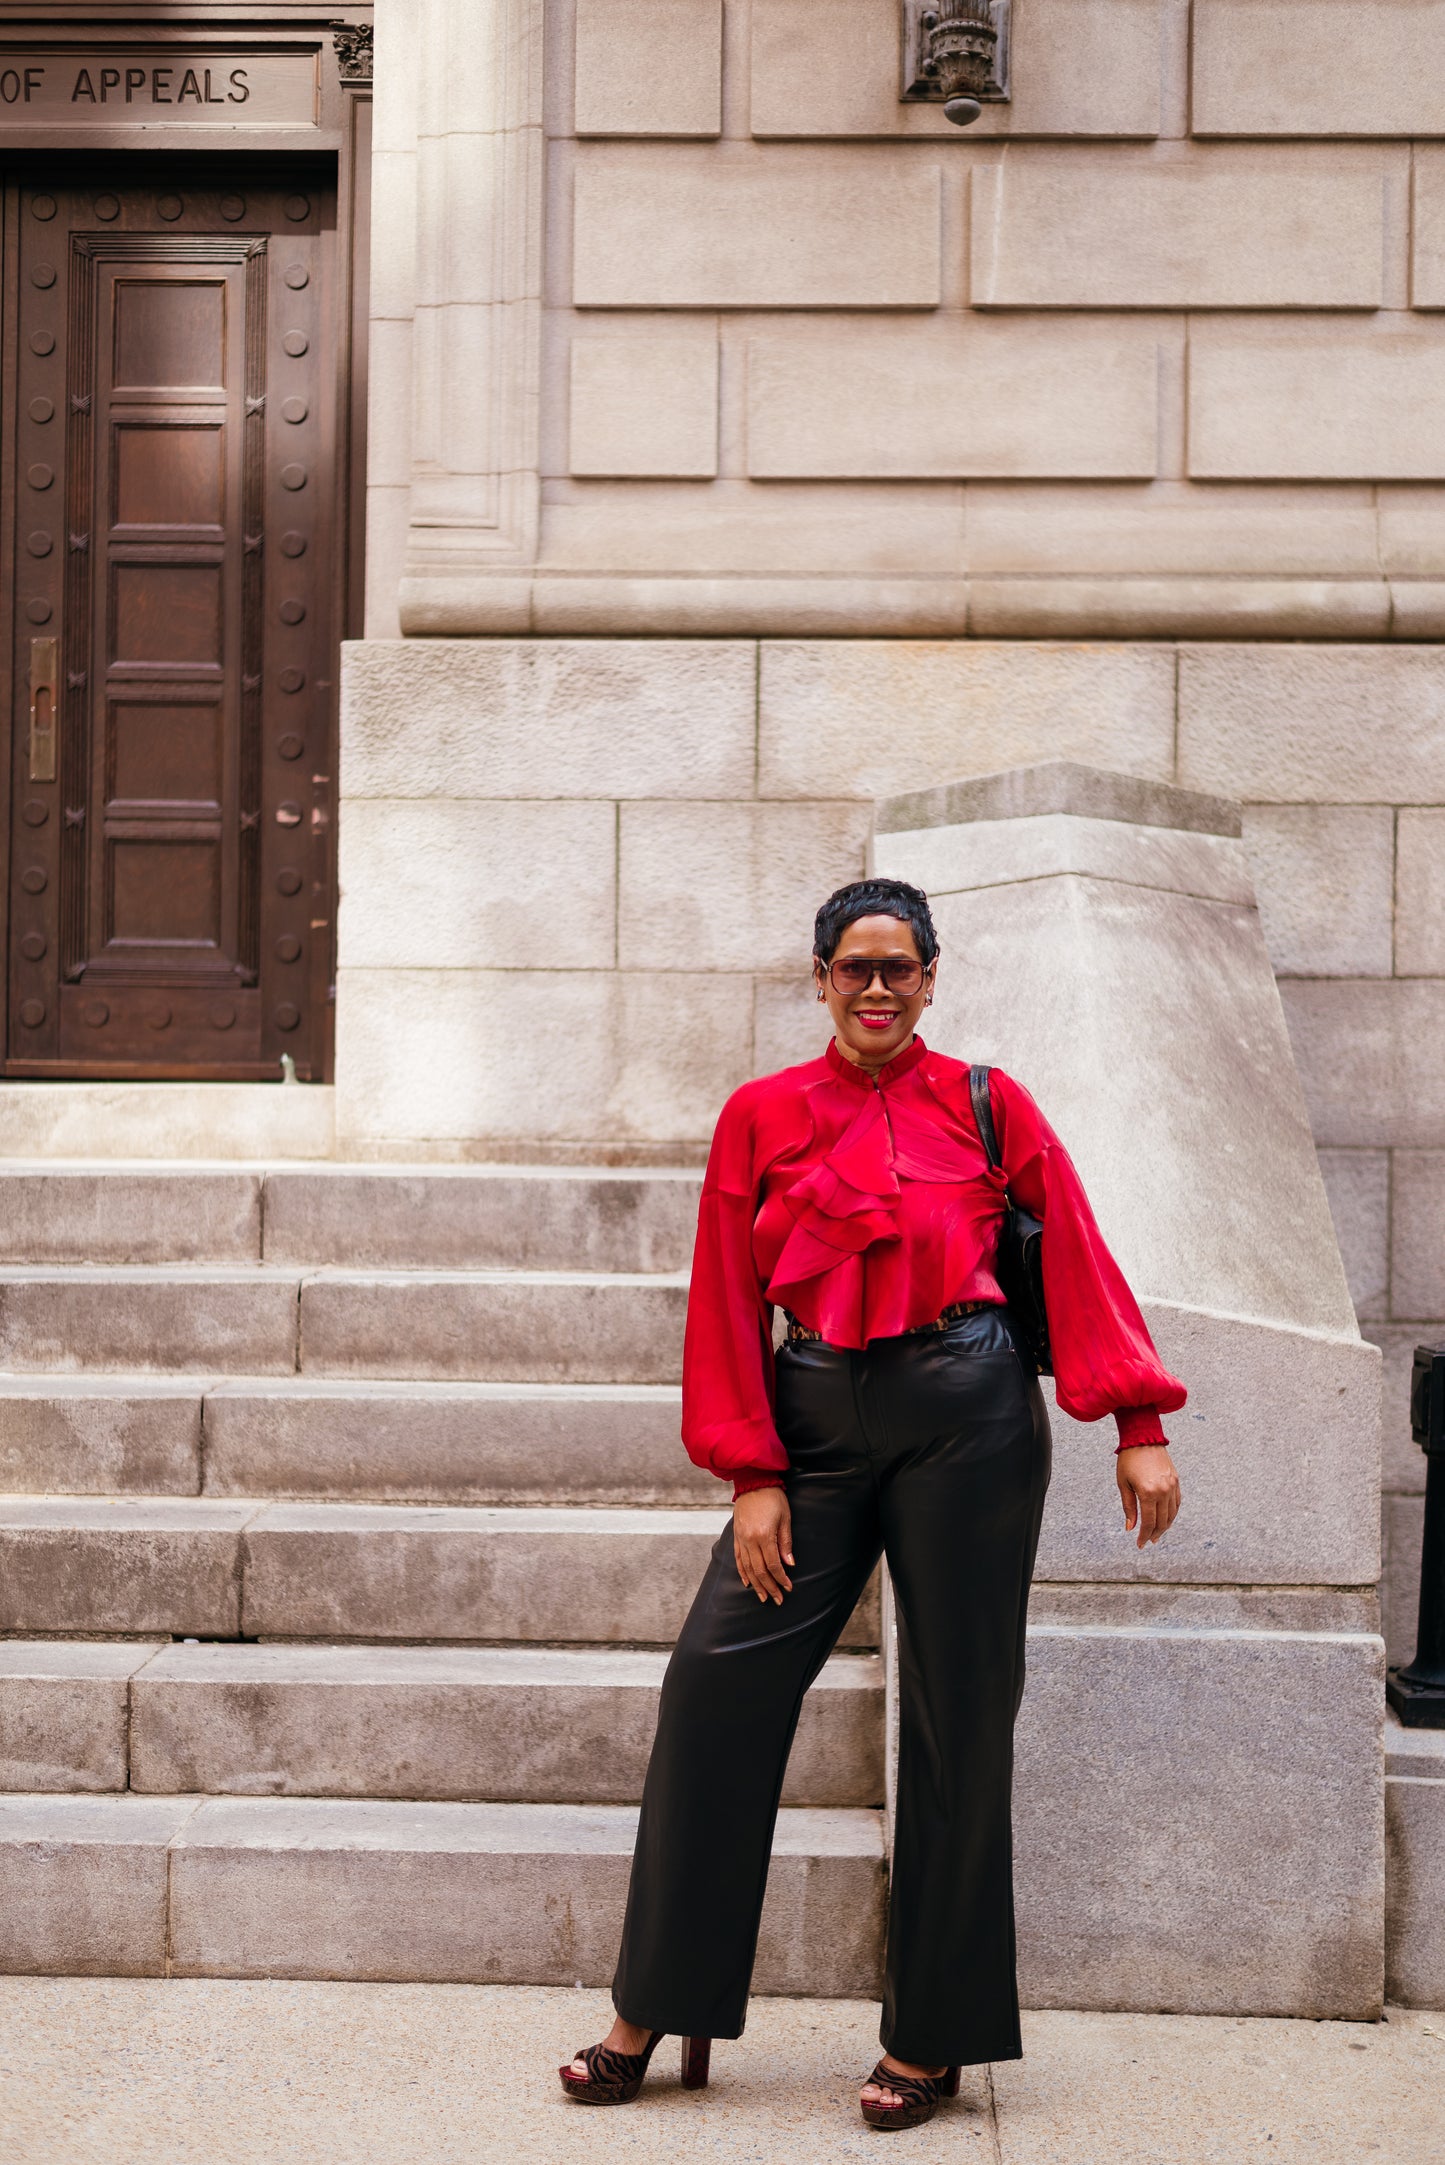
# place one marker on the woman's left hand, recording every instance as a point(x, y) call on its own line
point(1149, 1487)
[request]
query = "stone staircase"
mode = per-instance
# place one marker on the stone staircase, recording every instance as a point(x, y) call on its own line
point(345, 1529)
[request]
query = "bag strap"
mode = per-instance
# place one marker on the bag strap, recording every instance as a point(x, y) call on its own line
point(983, 1114)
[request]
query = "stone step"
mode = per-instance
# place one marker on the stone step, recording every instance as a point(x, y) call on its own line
point(403, 1217)
point(212, 1568)
point(495, 1326)
point(495, 1724)
point(446, 1893)
point(483, 1326)
point(88, 1213)
point(481, 1217)
point(370, 1440)
point(481, 1443)
point(226, 1320)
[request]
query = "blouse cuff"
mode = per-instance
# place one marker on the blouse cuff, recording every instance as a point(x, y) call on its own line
point(748, 1478)
point(1138, 1425)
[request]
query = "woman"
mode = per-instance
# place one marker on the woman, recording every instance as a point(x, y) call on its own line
point(856, 1194)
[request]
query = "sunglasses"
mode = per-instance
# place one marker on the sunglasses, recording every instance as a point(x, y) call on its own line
point(857, 972)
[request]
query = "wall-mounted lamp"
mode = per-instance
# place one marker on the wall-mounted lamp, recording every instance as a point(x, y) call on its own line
point(956, 51)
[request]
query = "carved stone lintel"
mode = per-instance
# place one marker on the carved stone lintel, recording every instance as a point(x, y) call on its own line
point(353, 52)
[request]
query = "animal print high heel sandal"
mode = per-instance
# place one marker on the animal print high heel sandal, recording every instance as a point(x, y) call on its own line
point(919, 2095)
point(614, 2078)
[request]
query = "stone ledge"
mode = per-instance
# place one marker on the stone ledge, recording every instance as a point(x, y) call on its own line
point(1061, 786)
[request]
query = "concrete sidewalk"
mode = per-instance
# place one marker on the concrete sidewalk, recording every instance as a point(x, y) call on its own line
point(149, 2072)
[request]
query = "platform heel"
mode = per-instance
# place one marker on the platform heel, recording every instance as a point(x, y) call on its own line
point(696, 2059)
point(918, 2096)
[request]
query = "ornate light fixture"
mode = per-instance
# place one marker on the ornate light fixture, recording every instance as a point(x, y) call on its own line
point(956, 51)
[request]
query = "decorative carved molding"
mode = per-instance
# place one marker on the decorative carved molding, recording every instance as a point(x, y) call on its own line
point(956, 51)
point(353, 52)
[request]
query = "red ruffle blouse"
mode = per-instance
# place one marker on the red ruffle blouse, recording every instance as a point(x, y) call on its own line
point(864, 1203)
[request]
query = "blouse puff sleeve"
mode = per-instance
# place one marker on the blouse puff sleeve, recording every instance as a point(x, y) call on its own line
point(1104, 1358)
point(727, 1356)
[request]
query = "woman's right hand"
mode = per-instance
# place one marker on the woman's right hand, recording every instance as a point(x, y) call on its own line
point(763, 1541)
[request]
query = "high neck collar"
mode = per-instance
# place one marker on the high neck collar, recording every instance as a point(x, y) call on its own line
point(862, 1077)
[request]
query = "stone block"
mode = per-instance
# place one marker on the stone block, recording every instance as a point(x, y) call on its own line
point(1415, 1870)
point(789, 1024)
point(644, 406)
point(78, 1435)
point(1417, 1234)
point(1368, 1058)
point(663, 1051)
point(1227, 228)
point(88, 1215)
point(1403, 1531)
point(1254, 1819)
point(64, 1713)
point(1313, 724)
point(1420, 893)
point(86, 1884)
point(969, 397)
point(1316, 1400)
point(482, 1217)
point(780, 229)
point(1357, 1183)
point(847, 82)
point(393, 265)
point(166, 1120)
point(489, 1894)
point(481, 718)
point(80, 1564)
point(502, 884)
point(879, 533)
point(882, 715)
point(649, 67)
point(1172, 529)
point(495, 1326)
point(731, 886)
point(497, 1724)
point(1325, 880)
point(1427, 231)
point(1272, 400)
point(452, 1443)
point(1316, 67)
point(357, 1571)
point(229, 1320)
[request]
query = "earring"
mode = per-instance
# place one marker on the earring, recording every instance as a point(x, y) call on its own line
point(928, 1000)
point(820, 995)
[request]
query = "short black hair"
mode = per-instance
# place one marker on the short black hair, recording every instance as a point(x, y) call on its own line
point(874, 898)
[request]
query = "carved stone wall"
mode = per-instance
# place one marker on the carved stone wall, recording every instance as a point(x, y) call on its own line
point(747, 344)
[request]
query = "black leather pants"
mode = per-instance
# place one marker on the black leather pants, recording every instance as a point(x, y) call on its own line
point(933, 1449)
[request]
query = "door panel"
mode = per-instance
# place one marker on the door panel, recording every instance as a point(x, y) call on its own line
point(176, 491)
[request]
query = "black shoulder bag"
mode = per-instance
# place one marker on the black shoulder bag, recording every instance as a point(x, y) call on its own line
point(1019, 1267)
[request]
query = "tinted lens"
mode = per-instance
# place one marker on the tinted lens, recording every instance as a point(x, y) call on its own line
point(857, 973)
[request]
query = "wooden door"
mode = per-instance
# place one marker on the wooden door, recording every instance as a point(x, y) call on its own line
point(176, 579)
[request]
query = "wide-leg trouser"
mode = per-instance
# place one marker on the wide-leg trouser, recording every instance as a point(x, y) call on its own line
point(934, 1450)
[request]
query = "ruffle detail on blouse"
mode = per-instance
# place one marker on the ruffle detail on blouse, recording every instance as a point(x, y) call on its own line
point(849, 1201)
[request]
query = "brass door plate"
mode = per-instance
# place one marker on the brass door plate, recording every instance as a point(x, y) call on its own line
point(44, 669)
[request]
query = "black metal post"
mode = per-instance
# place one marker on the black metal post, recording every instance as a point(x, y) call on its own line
point(1417, 1693)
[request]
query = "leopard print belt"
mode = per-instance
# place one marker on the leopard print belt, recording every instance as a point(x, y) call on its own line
point(800, 1335)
